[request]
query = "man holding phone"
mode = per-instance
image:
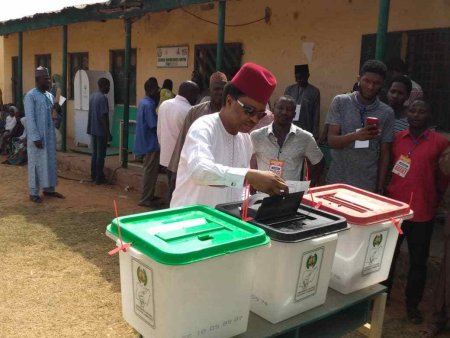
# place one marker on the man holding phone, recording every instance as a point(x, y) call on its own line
point(361, 130)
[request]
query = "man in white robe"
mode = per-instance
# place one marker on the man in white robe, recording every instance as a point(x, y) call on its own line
point(214, 162)
point(41, 139)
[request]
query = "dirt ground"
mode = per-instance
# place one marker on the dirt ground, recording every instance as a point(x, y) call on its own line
point(58, 278)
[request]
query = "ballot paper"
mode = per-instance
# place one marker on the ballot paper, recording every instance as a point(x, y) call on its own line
point(294, 186)
point(298, 186)
point(62, 99)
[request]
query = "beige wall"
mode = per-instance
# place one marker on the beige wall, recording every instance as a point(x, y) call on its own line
point(334, 26)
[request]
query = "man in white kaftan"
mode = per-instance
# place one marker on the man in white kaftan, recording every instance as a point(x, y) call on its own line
point(41, 142)
point(215, 158)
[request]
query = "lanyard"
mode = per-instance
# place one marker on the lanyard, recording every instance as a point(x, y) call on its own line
point(278, 145)
point(300, 97)
point(362, 112)
point(416, 142)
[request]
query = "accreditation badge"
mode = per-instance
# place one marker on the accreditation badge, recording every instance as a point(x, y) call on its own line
point(297, 112)
point(402, 166)
point(276, 166)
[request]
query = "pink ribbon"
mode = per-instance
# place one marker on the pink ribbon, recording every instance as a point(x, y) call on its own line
point(244, 214)
point(316, 205)
point(123, 246)
point(396, 223)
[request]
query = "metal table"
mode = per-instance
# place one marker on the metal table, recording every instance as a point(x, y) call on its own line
point(339, 315)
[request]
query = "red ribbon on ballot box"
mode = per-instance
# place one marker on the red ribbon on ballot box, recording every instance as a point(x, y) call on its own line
point(123, 246)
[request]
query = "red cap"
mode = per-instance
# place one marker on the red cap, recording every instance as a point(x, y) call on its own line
point(255, 82)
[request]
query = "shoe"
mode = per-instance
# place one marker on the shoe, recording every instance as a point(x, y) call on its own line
point(53, 194)
point(35, 199)
point(101, 181)
point(154, 203)
point(414, 315)
point(431, 330)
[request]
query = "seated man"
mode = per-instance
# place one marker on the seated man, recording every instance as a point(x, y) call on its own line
point(4, 112)
point(15, 131)
point(282, 147)
point(18, 154)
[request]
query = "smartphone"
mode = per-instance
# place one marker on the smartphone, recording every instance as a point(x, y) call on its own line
point(372, 121)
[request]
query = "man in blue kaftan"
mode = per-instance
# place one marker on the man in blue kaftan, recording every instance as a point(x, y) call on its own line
point(41, 137)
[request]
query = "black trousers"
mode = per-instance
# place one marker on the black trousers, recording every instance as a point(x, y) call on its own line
point(418, 237)
point(171, 178)
point(98, 158)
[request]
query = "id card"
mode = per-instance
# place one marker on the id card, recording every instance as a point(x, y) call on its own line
point(402, 166)
point(297, 112)
point(276, 166)
point(361, 144)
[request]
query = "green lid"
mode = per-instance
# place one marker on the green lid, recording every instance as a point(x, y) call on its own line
point(188, 234)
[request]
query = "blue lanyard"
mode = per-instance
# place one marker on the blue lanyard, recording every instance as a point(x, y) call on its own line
point(362, 111)
point(416, 142)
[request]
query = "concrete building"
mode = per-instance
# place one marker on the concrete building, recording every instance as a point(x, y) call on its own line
point(340, 34)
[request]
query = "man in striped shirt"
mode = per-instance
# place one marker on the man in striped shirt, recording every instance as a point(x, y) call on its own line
point(399, 89)
point(396, 66)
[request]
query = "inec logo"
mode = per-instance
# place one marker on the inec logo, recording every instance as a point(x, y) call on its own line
point(311, 262)
point(377, 240)
point(142, 276)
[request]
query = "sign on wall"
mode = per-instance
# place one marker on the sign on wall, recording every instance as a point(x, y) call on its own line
point(172, 57)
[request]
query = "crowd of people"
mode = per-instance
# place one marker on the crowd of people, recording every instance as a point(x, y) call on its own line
point(214, 143)
point(378, 133)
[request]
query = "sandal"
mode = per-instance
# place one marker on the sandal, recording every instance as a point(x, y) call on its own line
point(35, 199)
point(430, 331)
point(53, 194)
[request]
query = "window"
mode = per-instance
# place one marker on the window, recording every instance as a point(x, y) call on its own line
point(205, 60)
point(44, 60)
point(368, 46)
point(427, 56)
point(77, 61)
point(117, 67)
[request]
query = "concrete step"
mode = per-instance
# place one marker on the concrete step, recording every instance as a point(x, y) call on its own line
point(79, 166)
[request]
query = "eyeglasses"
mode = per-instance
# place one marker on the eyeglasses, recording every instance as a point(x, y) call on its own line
point(250, 111)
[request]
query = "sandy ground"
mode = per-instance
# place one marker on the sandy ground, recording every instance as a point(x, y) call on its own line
point(58, 277)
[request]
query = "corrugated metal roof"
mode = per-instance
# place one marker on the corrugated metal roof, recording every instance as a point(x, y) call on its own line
point(113, 9)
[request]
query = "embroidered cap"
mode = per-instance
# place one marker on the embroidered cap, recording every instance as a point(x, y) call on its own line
point(217, 77)
point(41, 71)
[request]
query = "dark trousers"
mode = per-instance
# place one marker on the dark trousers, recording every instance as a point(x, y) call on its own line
point(441, 289)
point(171, 178)
point(418, 237)
point(98, 158)
point(151, 170)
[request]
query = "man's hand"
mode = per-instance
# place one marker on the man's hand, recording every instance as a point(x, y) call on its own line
point(267, 182)
point(369, 132)
point(54, 114)
point(38, 144)
point(108, 137)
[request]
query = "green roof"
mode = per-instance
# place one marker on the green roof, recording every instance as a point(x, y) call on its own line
point(114, 9)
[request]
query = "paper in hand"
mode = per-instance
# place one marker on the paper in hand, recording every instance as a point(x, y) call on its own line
point(298, 186)
point(62, 99)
